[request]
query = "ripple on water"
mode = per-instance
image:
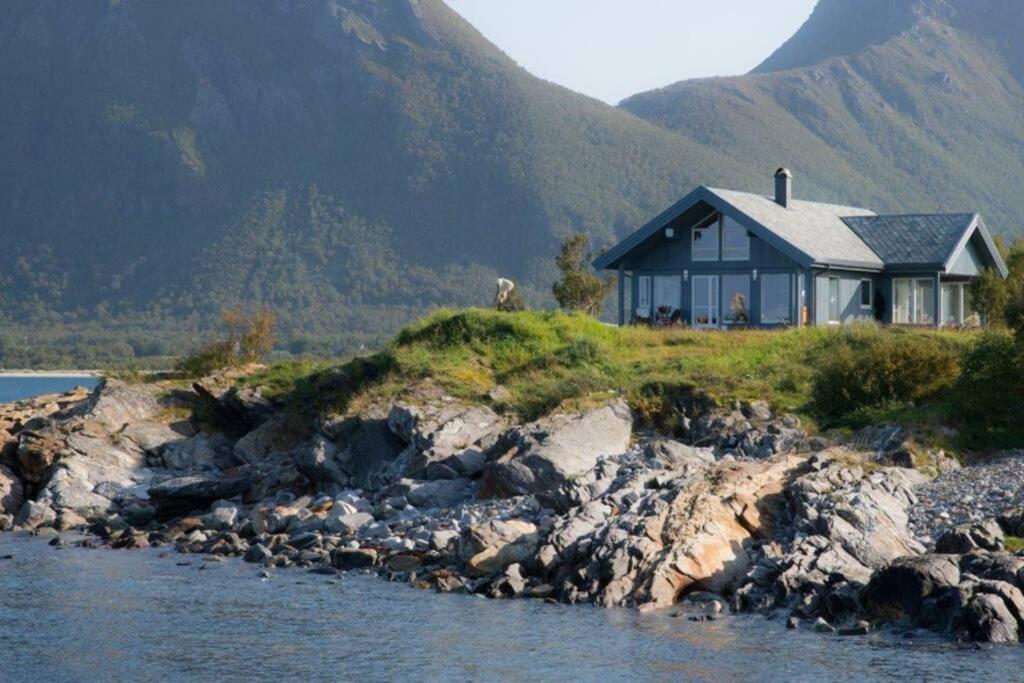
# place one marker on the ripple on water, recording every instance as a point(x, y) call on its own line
point(86, 615)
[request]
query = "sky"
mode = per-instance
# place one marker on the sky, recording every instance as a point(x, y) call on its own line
point(611, 49)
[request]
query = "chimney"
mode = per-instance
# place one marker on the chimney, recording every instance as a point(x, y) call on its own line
point(783, 187)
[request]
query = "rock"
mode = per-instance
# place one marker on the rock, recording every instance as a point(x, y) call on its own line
point(541, 457)
point(318, 463)
point(34, 514)
point(370, 449)
point(258, 553)
point(987, 535)
point(492, 546)
point(861, 628)
point(183, 494)
point(987, 618)
point(793, 623)
point(273, 436)
point(221, 518)
point(403, 563)
point(441, 539)
point(445, 439)
point(151, 437)
point(37, 451)
point(353, 558)
point(68, 519)
point(822, 626)
point(510, 584)
point(12, 491)
point(440, 493)
point(900, 588)
point(202, 451)
point(676, 455)
point(347, 524)
point(1012, 522)
point(115, 405)
point(757, 410)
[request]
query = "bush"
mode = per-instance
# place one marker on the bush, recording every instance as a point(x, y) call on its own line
point(579, 289)
point(990, 393)
point(248, 339)
point(865, 367)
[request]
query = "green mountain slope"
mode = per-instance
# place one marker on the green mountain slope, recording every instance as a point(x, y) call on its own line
point(349, 162)
point(903, 105)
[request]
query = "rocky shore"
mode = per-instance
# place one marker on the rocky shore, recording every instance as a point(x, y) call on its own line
point(743, 511)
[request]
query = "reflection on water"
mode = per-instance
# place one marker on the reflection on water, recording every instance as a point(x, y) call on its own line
point(81, 615)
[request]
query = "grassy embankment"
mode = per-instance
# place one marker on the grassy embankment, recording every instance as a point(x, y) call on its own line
point(833, 378)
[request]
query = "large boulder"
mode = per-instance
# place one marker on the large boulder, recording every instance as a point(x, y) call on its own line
point(490, 547)
point(369, 449)
point(446, 440)
point(12, 491)
point(993, 614)
point(273, 436)
point(443, 493)
point(901, 588)
point(542, 457)
point(115, 405)
point(318, 462)
point(200, 452)
point(964, 538)
point(34, 514)
point(184, 494)
point(38, 448)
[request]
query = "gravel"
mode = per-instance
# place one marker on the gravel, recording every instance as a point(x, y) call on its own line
point(968, 494)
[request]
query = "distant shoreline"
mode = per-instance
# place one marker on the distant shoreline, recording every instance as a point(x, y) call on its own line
point(56, 374)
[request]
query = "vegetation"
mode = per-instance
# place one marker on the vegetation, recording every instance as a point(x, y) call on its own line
point(248, 338)
point(579, 289)
point(832, 378)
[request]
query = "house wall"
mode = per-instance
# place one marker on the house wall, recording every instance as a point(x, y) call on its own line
point(850, 309)
point(970, 261)
point(672, 256)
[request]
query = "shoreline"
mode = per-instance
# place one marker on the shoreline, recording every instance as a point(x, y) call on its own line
point(54, 374)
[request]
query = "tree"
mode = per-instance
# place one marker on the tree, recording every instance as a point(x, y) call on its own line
point(989, 297)
point(247, 339)
point(579, 289)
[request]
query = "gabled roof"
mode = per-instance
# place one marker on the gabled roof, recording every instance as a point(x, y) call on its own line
point(816, 229)
point(921, 239)
point(818, 234)
point(811, 233)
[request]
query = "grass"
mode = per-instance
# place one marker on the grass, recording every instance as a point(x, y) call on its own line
point(1014, 544)
point(548, 360)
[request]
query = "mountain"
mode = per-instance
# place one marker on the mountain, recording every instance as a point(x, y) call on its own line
point(903, 105)
point(348, 162)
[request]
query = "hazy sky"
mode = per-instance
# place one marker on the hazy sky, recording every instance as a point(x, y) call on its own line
point(611, 49)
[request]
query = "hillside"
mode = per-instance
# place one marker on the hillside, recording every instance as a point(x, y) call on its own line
point(348, 162)
point(907, 105)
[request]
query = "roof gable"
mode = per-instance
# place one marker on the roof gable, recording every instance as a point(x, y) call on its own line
point(926, 239)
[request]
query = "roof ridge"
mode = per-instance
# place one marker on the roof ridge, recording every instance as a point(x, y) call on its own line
point(919, 215)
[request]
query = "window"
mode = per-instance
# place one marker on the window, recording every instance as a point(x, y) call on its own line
point(956, 305)
point(913, 302)
point(643, 297)
point(735, 241)
point(736, 299)
point(668, 291)
point(776, 305)
point(866, 293)
point(833, 300)
point(705, 242)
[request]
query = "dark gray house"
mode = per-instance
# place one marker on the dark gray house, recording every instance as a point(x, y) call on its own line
point(720, 257)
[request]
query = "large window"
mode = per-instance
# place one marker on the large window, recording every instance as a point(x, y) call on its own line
point(705, 242)
point(668, 291)
point(956, 305)
point(736, 299)
point(735, 241)
point(776, 301)
point(913, 302)
point(866, 293)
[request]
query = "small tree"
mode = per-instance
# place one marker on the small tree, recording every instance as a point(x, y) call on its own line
point(989, 296)
point(247, 339)
point(579, 289)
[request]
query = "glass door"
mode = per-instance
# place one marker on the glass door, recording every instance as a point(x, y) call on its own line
point(705, 301)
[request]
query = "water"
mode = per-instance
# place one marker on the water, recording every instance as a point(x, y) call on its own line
point(17, 387)
point(95, 615)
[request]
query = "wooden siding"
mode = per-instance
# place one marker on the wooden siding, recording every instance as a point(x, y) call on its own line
point(970, 261)
point(850, 309)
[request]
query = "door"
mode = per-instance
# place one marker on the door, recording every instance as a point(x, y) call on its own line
point(833, 300)
point(705, 301)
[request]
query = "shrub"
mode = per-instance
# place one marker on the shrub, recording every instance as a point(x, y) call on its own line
point(865, 367)
point(990, 392)
point(248, 339)
point(579, 289)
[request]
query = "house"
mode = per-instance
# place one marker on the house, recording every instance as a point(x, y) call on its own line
point(721, 257)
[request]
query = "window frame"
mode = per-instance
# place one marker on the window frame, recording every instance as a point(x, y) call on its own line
point(734, 226)
point(917, 301)
point(870, 305)
point(762, 278)
point(725, 303)
point(644, 292)
point(839, 304)
point(714, 228)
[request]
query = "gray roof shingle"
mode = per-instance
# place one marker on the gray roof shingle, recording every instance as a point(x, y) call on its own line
point(816, 229)
point(912, 238)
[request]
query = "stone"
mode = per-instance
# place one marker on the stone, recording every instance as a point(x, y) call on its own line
point(12, 491)
point(221, 518)
point(273, 436)
point(676, 455)
point(34, 514)
point(510, 584)
point(861, 628)
point(822, 626)
point(987, 618)
point(369, 450)
point(403, 563)
point(37, 451)
point(900, 588)
point(492, 546)
point(442, 493)
point(1012, 522)
point(318, 463)
point(353, 558)
point(183, 494)
point(987, 535)
point(542, 457)
point(347, 524)
point(69, 519)
point(793, 623)
point(442, 538)
point(258, 553)
point(202, 451)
